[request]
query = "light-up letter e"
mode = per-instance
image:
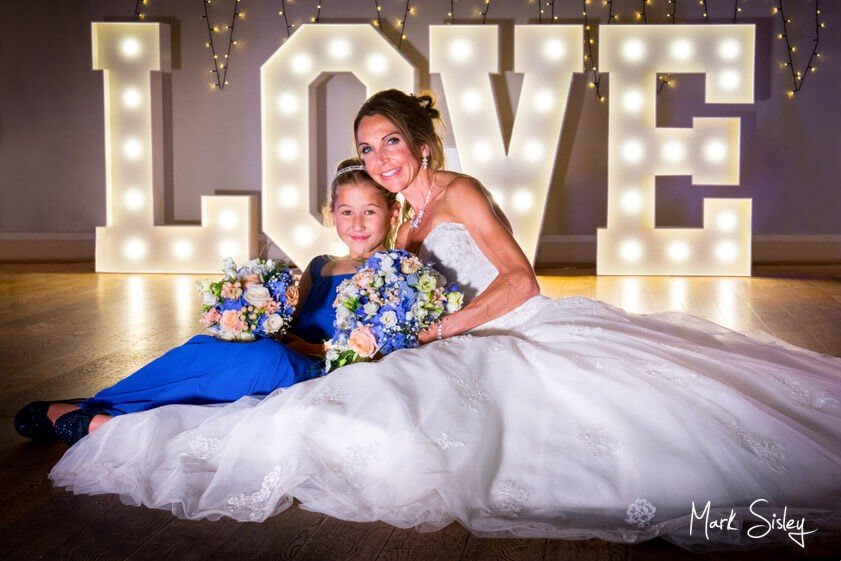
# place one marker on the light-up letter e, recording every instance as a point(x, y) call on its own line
point(709, 151)
point(465, 56)
point(288, 81)
point(127, 53)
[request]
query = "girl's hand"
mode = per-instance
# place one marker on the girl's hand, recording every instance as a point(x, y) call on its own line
point(303, 347)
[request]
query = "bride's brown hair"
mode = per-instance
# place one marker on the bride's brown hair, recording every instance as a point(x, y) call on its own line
point(414, 117)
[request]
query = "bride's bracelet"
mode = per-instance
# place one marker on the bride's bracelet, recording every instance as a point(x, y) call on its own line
point(440, 329)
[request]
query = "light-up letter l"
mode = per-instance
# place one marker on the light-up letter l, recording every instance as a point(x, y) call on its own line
point(709, 151)
point(127, 53)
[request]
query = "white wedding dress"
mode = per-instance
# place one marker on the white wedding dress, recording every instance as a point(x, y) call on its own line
point(565, 418)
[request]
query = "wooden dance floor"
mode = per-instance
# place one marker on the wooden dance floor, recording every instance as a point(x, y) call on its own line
point(67, 332)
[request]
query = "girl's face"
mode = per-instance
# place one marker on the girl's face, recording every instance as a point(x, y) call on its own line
point(387, 156)
point(362, 218)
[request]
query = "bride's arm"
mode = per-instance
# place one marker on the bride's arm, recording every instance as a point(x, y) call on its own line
point(467, 204)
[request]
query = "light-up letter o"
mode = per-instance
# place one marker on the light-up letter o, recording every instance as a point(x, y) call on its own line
point(130, 242)
point(288, 80)
point(465, 56)
point(709, 151)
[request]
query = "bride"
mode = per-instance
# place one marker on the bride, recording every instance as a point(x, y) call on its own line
point(523, 416)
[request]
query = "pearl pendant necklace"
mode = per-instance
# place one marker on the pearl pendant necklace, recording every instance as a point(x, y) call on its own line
point(416, 221)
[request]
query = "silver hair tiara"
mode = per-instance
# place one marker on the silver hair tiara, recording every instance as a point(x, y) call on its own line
point(348, 169)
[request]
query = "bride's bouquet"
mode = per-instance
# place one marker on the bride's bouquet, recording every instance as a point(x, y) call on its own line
point(255, 300)
point(384, 306)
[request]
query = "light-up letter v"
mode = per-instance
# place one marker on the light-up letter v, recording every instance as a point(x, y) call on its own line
point(548, 55)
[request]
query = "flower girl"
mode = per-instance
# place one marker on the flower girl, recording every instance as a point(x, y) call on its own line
point(209, 370)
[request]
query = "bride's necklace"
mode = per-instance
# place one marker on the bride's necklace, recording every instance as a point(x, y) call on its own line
point(416, 221)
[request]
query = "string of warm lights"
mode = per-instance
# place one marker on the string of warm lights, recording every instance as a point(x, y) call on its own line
point(798, 77)
point(706, 11)
point(282, 12)
point(221, 77)
point(485, 10)
point(672, 13)
point(317, 17)
point(552, 16)
point(452, 13)
point(736, 9)
point(406, 12)
point(138, 9)
point(588, 56)
point(643, 13)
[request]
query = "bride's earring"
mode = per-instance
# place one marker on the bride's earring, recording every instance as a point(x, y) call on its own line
point(425, 162)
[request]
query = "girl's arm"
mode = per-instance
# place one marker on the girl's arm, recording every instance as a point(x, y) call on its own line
point(467, 204)
point(291, 340)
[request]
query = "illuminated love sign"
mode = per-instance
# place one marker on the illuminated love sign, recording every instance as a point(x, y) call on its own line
point(518, 176)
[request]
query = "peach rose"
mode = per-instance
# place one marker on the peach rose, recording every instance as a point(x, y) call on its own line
point(363, 342)
point(211, 317)
point(232, 321)
point(364, 278)
point(271, 307)
point(292, 295)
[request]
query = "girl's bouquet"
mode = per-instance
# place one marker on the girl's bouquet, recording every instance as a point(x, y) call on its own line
point(255, 300)
point(391, 298)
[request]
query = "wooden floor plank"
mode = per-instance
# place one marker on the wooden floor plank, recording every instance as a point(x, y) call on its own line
point(410, 545)
point(336, 540)
point(490, 549)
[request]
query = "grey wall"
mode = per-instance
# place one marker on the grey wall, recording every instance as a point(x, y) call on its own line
point(51, 118)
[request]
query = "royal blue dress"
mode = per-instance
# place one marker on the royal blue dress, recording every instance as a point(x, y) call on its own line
point(206, 370)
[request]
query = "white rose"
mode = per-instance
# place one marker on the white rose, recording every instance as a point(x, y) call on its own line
point(273, 324)
point(389, 319)
point(350, 291)
point(257, 295)
point(421, 313)
point(386, 261)
point(343, 317)
point(370, 308)
point(209, 299)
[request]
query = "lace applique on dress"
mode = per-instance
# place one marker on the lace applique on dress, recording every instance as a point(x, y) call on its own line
point(509, 500)
point(355, 459)
point(256, 503)
point(330, 395)
point(202, 447)
point(769, 451)
point(804, 396)
point(640, 513)
point(600, 442)
point(671, 374)
point(444, 442)
point(472, 393)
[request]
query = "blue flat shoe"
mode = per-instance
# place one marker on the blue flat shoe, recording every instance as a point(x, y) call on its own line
point(71, 427)
point(32, 421)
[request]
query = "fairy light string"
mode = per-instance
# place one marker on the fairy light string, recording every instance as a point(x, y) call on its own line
point(402, 24)
point(221, 77)
point(588, 56)
point(798, 77)
point(283, 13)
point(452, 12)
point(138, 9)
point(736, 10)
point(485, 11)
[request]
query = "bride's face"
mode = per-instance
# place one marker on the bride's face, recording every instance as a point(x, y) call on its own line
point(387, 156)
point(362, 217)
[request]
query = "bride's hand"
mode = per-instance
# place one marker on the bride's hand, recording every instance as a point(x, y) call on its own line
point(433, 333)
